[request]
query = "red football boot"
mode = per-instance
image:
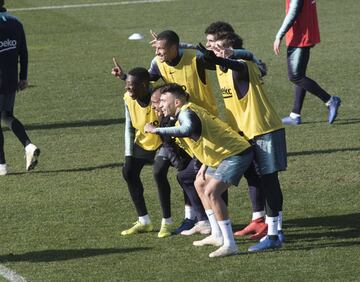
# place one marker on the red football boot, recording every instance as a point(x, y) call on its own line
point(260, 232)
point(256, 227)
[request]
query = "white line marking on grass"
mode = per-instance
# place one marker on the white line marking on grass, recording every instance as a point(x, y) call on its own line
point(10, 275)
point(88, 5)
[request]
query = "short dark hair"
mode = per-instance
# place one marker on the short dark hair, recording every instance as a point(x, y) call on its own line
point(177, 90)
point(2, 3)
point(156, 88)
point(140, 73)
point(219, 27)
point(231, 39)
point(170, 37)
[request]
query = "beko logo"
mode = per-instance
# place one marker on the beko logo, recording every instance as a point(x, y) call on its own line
point(8, 44)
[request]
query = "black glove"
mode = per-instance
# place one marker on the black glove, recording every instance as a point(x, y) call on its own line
point(224, 69)
point(262, 67)
point(208, 54)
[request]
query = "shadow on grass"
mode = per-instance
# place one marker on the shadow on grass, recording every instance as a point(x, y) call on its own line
point(338, 121)
point(80, 169)
point(319, 232)
point(320, 152)
point(73, 124)
point(61, 255)
point(338, 227)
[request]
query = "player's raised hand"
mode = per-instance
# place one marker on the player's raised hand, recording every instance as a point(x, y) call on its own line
point(222, 52)
point(153, 41)
point(117, 70)
point(208, 54)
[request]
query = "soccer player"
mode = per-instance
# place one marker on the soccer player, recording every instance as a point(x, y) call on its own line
point(225, 156)
point(257, 228)
point(302, 33)
point(140, 147)
point(13, 48)
point(170, 154)
point(182, 66)
point(250, 112)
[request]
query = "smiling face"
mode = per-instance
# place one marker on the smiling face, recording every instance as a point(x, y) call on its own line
point(210, 41)
point(135, 87)
point(164, 51)
point(169, 105)
point(155, 102)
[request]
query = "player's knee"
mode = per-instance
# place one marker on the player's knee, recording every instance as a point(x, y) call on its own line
point(7, 117)
point(296, 78)
point(159, 173)
point(210, 194)
point(181, 176)
point(199, 184)
point(127, 173)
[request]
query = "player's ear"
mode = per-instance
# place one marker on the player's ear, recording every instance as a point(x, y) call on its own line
point(174, 48)
point(176, 102)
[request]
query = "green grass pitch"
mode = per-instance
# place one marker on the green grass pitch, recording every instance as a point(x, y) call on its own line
point(61, 222)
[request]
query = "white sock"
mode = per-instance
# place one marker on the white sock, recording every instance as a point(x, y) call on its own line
point(272, 225)
point(279, 226)
point(167, 221)
point(257, 215)
point(215, 229)
point(145, 219)
point(266, 219)
point(226, 230)
point(189, 212)
point(294, 115)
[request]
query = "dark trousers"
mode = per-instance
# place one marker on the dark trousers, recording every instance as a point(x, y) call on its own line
point(131, 173)
point(297, 61)
point(160, 171)
point(272, 194)
point(256, 192)
point(186, 179)
point(17, 128)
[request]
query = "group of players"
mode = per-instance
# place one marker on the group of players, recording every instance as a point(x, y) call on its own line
point(176, 124)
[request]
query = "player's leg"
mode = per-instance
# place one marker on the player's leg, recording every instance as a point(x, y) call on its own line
point(257, 227)
point(272, 191)
point(31, 151)
point(298, 59)
point(215, 238)
point(186, 179)
point(3, 166)
point(131, 173)
point(160, 171)
point(271, 157)
point(228, 173)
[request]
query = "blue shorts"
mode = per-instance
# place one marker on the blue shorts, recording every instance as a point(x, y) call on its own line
point(231, 169)
point(270, 152)
point(7, 102)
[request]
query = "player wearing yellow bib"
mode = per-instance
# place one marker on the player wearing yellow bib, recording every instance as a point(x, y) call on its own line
point(257, 228)
point(225, 156)
point(140, 147)
point(250, 112)
point(183, 67)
